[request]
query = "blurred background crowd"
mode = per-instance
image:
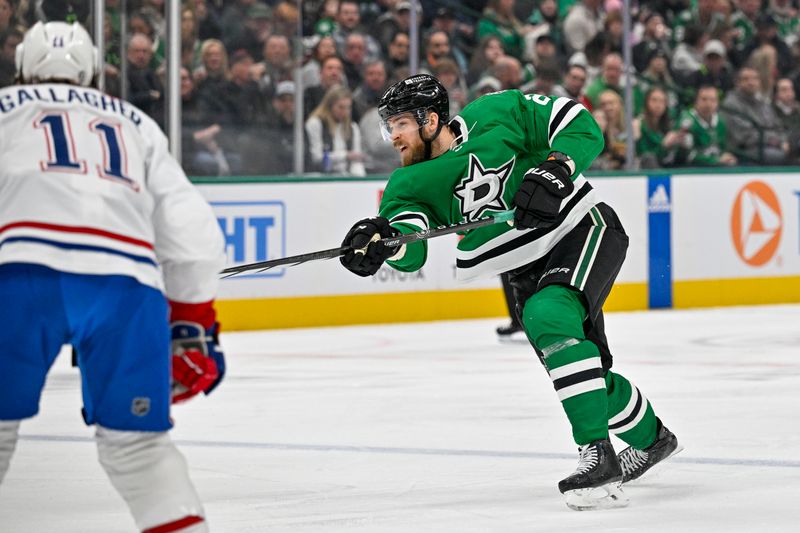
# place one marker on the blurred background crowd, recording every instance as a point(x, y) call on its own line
point(714, 82)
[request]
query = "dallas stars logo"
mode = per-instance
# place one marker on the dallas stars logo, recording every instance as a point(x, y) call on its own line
point(482, 188)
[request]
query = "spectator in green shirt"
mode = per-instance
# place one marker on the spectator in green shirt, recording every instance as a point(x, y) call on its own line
point(705, 141)
point(498, 19)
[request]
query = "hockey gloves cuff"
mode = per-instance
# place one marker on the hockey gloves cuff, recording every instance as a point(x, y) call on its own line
point(539, 196)
point(198, 364)
point(367, 252)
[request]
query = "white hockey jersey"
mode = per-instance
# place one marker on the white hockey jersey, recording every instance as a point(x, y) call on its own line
point(87, 185)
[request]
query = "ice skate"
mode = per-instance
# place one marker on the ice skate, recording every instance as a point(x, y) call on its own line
point(511, 333)
point(636, 462)
point(595, 484)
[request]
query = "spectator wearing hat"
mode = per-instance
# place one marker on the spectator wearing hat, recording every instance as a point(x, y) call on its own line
point(544, 51)
point(754, 130)
point(462, 36)
point(348, 20)
point(396, 19)
point(277, 137)
point(767, 35)
point(654, 37)
point(714, 71)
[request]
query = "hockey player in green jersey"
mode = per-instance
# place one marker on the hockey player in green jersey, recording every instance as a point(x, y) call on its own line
point(523, 151)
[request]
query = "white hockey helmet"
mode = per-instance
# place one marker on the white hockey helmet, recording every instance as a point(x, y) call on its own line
point(56, 51)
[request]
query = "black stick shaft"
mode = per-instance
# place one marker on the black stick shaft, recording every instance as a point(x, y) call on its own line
point(391, 242)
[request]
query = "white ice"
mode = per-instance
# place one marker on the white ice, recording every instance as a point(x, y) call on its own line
point(436, 427)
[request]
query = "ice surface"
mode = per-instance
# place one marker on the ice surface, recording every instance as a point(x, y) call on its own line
point(437, 427)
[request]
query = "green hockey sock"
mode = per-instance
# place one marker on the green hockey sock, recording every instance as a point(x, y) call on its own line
point(630, 415)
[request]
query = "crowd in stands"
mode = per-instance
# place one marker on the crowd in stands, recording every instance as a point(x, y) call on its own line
point(714, 81)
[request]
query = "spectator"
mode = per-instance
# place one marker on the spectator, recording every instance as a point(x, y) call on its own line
point(201, 153)
point(754, 130)
point(334, 141)
point(326, 20)
point(276, 66)
point(610, 116)
point(331, 73)
point(655, 37)
point(144, 88)
point(786, 16)
point(348, 20)
point(397, 19)
point(190, 44)
point(284, 18)
point(461, 35)
point(656, 74)
point(7, 18)
point(380, 157)
point(544, 50)
point(498, 19)
point(584, 21)
point(486, 85)
point(437, 48)
point(714, 70)
point(355, 53)
point(508, 71)
point(279, 134)
point(572, 86)
point(765, 61)
point(214, 63)
point(397, 53)
point(488, 52)
point(704, 15)
point(706, 131)
point(9, 39)
point(372, 88)
point(449, 75)
point(788, 111)
point(688, 55)
point(235, 32)
point(209, 25)
point(141, 22)
point(325, 47)
point(613, 29)
point(744, 20)
point(611, 78)
point(767, 35)
point(545, 19)
point(658, 144)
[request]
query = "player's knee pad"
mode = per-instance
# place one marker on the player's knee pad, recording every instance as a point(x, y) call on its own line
point(152, 477)
point(9, 431)
point(552, 316)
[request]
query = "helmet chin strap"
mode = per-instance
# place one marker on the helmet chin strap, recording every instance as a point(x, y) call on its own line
point(429, 142)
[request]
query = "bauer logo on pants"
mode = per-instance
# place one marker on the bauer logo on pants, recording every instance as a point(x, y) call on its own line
point(254, 231)
point(756, 223)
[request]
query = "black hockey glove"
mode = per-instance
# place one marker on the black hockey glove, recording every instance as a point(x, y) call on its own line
point(539, 195)
point(368, 252)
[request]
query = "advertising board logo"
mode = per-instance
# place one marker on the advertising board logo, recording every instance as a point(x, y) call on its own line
point(756, 223)
point(254, 231)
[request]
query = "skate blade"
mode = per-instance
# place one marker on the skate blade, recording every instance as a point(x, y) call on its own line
point(518, 337)
point(608, 496)
point(655, 470)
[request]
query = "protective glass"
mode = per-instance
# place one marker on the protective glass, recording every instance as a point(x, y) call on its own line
point(400, 124)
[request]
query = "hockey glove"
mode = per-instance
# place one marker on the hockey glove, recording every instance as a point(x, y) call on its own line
point(367, 252)
point(198, 364)
point(539, 196)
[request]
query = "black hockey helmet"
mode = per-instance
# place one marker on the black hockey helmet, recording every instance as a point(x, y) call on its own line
point(416, 94)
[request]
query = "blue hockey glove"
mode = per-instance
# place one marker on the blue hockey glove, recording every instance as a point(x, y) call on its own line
point(539, 196)
point(368, 253)
point(198, 364)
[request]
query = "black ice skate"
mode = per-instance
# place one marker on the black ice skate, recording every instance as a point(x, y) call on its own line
point(595, 484)
point(636, 462)
point(511, 333)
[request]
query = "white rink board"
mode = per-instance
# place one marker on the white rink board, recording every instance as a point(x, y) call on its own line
point(704, 211)
point(281, 219)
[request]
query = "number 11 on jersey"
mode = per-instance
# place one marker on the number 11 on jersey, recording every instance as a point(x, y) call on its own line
point(61, 148)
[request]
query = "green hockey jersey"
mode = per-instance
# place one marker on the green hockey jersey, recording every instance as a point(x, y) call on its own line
point(499, 137)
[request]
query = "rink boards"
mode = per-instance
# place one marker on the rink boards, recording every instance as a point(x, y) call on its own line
point(696, 240)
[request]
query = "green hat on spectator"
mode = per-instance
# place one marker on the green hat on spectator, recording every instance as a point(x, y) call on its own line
point(259, 11)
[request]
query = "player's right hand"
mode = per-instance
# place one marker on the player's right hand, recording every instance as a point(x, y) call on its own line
point(367, 253)
point(198, 364)
point(538, 199)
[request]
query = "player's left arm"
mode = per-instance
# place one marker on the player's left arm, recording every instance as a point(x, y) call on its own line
point(190, 248)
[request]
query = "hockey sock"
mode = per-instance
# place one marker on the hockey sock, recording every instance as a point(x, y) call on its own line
point(151, 475)
point(553, 319)
point(630, 415)
point(9, 430)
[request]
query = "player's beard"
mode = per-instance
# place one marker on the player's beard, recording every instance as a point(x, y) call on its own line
point(413, 154)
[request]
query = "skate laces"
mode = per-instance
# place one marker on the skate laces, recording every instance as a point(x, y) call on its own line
point(587, 459)
point(632, 459)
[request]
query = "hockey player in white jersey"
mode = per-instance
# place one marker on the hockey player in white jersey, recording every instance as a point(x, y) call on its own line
point(104, 245)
